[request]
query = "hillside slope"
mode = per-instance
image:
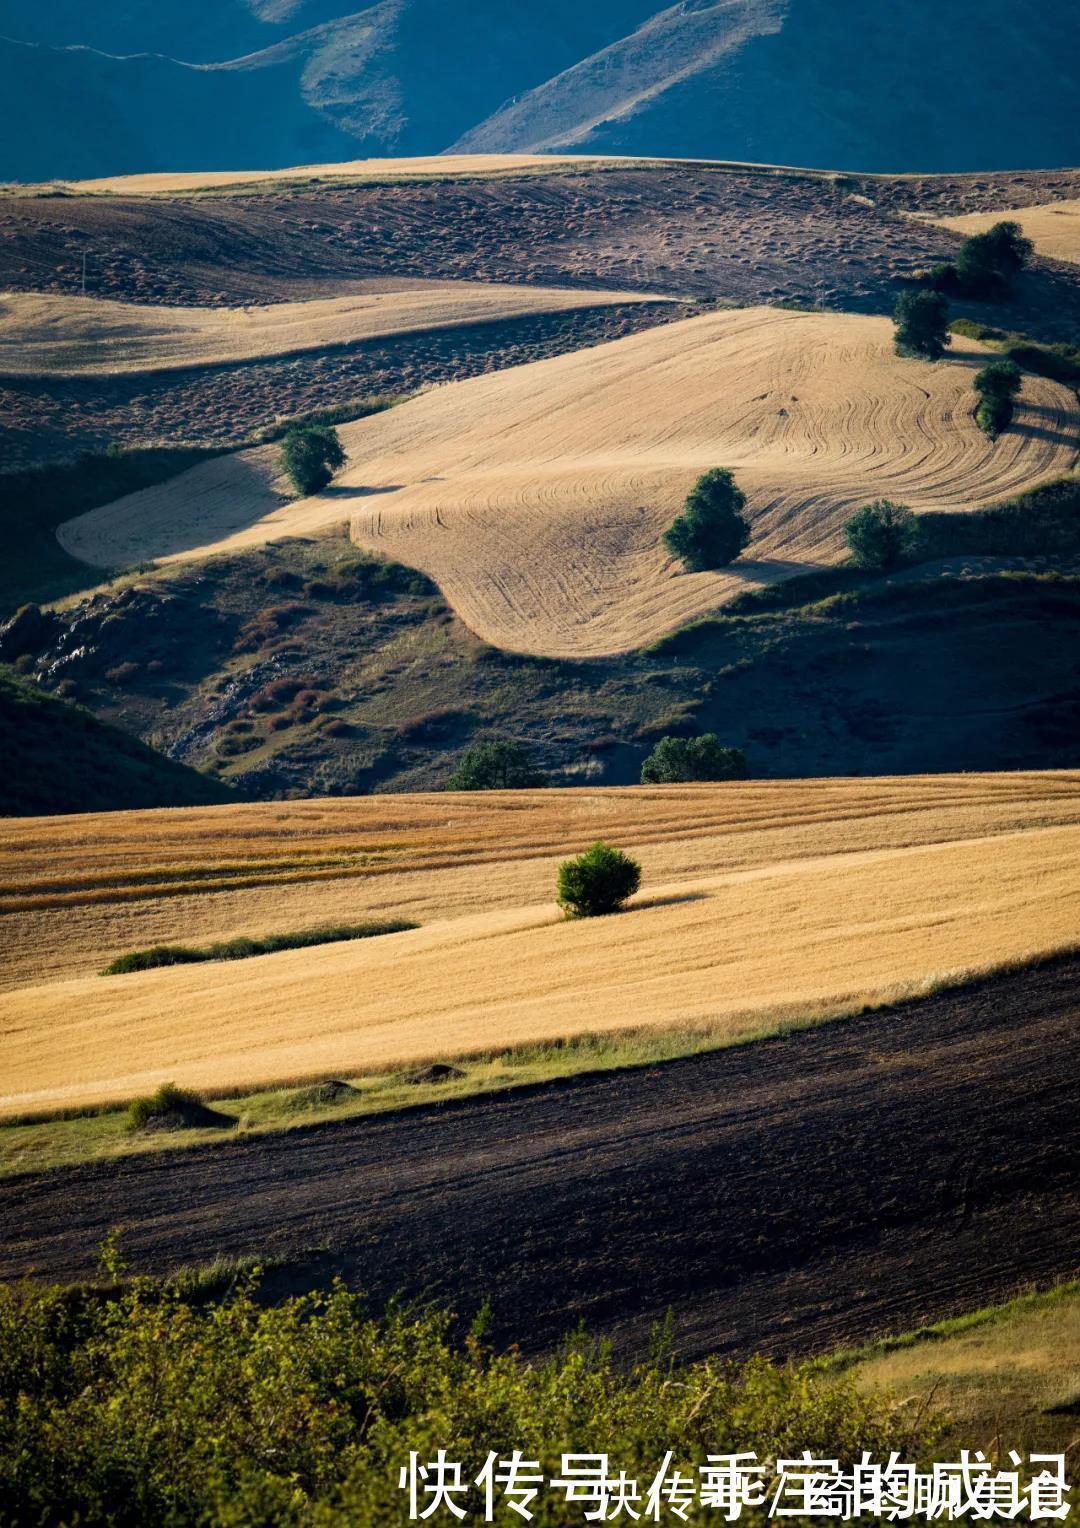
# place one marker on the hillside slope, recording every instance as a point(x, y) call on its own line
point(263, 83)
point(58, 758)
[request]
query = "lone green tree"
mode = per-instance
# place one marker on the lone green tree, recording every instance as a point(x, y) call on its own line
point(597, 882)
point(711, 531)
point(997, 385)
point(989, 264)
point(922, 325)
point(310, 455)
point(499, 765)
point(677, 760)
point(881, 535)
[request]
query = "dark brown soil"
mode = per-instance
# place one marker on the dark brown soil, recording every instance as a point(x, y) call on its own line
point(789, 1196)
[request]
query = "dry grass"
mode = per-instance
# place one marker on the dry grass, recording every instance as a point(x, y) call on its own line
point(537, 497)
point(761, 899)
point(1054, 227)
point(1008, 1378)
point(46, 335)
point(441, 167)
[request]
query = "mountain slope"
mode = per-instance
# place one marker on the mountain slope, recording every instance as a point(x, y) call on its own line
point(261, 83)
point(59, 758)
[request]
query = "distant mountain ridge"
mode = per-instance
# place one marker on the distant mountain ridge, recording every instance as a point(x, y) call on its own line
point(256, 84)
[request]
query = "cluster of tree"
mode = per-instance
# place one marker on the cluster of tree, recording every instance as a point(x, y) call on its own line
point(882, 536)
point(682, 760)
point(711, 531)
point(498, 765)
point(922, 325)
point(310, 455)
point(987, 265)
point(997, 385)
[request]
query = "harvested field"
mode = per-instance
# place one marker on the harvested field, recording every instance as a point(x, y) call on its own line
point(788, 1197)
point(1054, 228)
point(424, 167)
point(536, 498)
point(760, 900)
point(51, 336)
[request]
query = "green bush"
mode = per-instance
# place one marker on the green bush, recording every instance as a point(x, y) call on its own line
point(881, 535)
point(496, 766)
point(989, 263)
point(243, 948)
point(168, 1100)
point(1044, 522)
point(160, 1406)
point(597, 882)
point(997, 385)
point(922, 325)
point(711, 531)
point(310, 455)
point(676, 760)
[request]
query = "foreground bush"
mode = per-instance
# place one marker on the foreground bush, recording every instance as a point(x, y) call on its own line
point(678, 760)
point(881, 536)
point(496, 766)
point(310, 455)
point(144, 1409)
point(597, 882)
point(711, 531)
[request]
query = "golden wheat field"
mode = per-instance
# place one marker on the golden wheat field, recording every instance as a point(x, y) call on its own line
point(537, 497)
point(430, 167)
point(1053, 227)
point(759, 900)
point(42, 334)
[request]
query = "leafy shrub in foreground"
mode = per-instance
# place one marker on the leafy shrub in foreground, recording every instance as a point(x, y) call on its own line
point(922, 325)
point(597, 882)
point(711, 531)
point(310, 455)
point(496, 766)
point(144, 1408)
point(881, 535)
point(677, 760)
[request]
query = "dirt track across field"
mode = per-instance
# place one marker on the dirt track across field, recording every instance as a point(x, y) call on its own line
point(788, 1197)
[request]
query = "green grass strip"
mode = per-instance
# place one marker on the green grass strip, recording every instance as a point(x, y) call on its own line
point(243, 948)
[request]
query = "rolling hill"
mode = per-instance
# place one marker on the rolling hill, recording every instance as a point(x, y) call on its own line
point(536, 497)
point(759, 900)
point(266, 83)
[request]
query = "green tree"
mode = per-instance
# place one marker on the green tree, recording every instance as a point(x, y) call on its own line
point(711, 531)
point(496, 766)
point(881, 535)
point(989, 263)
point(310, 455)
point(997, 385)
point(922, 325)
point(597, 882)
point(676, 760)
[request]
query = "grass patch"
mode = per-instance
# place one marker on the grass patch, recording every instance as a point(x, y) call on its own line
point(244, 948)
point(1005, 1376)
point(38, 1143)
point(173, 1108)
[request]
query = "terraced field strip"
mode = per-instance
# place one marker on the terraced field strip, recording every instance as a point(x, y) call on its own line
point(45, 335)
point(1053, 227)
point(760, 900)
point(537, 497)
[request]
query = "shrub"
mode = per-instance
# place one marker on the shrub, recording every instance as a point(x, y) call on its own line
point(997, 385)
point(597, 882)
point(123, 673)
point(310, 455)
point(496, 766)
point(168, 1102)
point(149, 1405)
point(243, 948)
point(676, 760)
point(922, 325)
point(881, 535)
point(711, 531)
point(989, 263)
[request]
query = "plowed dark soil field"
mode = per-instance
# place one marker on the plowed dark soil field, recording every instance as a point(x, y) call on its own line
point(788, 1196)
